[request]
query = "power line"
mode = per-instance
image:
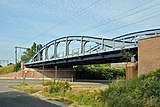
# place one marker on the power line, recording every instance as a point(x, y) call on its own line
point(65, 21)
point(113, 19)
point(97, 3)
point(139, 21)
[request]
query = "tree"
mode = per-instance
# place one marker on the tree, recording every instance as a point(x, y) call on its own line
point(99, 71)
point(30, 52)
point(127, 55)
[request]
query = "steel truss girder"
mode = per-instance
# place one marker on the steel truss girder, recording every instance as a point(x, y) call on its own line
point(127, 40)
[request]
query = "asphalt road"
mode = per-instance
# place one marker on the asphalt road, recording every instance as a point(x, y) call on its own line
point(78, 82)
point(12, 98)
point(19, 99)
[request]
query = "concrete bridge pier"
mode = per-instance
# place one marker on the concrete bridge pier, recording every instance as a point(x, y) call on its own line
point(131, 70)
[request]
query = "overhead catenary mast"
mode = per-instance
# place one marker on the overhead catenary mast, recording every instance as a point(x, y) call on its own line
point(17, 47)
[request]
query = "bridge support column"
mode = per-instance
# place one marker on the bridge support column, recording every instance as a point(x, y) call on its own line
point(55, 71)
point(62, 73)
point(131, 70)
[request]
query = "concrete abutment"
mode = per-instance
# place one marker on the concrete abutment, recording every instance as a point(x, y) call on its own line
point(148, 54)
point(65, 73)
point(51, 73)
point(148, 57)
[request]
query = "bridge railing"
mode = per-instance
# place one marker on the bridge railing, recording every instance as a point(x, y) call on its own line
point(136, 35)
point(77, 52)
point(91, 49)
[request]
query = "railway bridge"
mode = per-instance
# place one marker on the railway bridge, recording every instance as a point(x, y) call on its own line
point(60, 54)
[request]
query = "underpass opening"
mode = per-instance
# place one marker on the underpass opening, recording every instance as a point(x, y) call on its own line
point(96, 72)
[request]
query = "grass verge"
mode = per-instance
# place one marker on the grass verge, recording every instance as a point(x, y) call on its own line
point(75, 95)
point(9, 68)
point(143, 91)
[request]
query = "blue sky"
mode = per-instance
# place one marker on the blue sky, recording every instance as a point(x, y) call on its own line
point(23, 22)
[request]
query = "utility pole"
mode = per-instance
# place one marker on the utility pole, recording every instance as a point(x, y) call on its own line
point(15, 55)
point(17, 47)
point(55, 72)
point(43, 72)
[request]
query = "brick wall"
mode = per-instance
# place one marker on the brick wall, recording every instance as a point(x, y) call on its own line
point(148, 54)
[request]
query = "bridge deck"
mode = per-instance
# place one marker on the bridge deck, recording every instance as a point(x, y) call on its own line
point(97, 58)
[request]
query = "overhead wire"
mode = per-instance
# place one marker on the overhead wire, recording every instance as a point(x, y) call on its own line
point(68, 19)
point(96, 3)
point(119, 16)
point(129, 24)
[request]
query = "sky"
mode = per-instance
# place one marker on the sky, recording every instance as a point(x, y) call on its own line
point(23, 22)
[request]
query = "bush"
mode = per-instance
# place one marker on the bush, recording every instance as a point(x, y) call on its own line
point(139, 92)
point(47, 83)
point(17, 66)
point(99, 71)
point(57, 86)
point(10, 68)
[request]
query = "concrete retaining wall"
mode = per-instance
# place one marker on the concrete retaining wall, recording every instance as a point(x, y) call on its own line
point(33, 73)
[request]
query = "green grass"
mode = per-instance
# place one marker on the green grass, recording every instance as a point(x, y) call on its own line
point(81, 97)
point(28, 88)
point(73, 95)
point(7, 69)
point(143, 91)
point(10, 68)
point(65, 92)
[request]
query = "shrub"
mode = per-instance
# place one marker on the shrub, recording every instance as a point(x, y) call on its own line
point(139, 92)
point(17, 66)
point(57, 86)
point(47, 83)
point(99, 71)
point(10, 68)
